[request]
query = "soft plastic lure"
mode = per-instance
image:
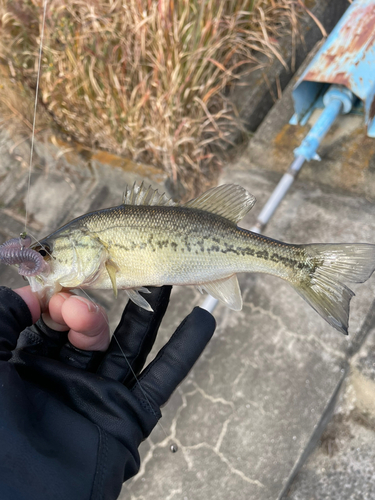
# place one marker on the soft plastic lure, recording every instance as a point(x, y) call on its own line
point(17, 251)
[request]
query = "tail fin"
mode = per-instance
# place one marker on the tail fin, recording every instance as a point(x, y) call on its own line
point(324, 291)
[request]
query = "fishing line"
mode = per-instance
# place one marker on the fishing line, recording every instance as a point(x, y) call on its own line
point(173, 446)
point(35, 108)
point(39, 243)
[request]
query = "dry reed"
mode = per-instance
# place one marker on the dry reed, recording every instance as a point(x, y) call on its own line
point(144, 79)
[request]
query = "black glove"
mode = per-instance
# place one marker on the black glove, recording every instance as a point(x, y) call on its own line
point(71, 421)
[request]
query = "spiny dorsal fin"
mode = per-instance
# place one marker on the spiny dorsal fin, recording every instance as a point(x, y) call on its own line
point(141, 195)
point(229, 200)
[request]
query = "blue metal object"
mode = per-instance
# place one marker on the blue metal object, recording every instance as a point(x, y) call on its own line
point(336, 100)
point(347, 58)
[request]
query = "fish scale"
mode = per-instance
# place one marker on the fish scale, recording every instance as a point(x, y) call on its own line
point(151, 241)
point(173, 239)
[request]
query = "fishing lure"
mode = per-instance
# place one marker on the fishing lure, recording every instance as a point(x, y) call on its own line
point(17, 251)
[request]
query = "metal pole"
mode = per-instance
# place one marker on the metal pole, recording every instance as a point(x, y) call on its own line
point(337, 100)
point(278, 194)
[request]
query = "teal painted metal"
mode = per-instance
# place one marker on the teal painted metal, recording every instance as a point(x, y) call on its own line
point(347, 58)
point(337, 100)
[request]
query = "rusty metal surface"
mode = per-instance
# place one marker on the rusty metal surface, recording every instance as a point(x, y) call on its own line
point(347, 58)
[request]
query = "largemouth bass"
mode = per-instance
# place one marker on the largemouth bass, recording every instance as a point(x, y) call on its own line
point(149, 240)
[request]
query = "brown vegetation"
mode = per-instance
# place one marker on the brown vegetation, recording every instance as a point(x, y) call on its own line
point(144, 79)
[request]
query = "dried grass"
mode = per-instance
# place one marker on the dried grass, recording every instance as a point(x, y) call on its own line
point(144, 79)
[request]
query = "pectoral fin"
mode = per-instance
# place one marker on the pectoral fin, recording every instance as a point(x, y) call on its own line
point(226, 290)
point(112, 269)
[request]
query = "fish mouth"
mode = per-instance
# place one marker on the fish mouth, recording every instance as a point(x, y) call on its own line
point(30, 260)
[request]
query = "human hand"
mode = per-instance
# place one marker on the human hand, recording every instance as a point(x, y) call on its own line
point(85, 321)
point(84, 407)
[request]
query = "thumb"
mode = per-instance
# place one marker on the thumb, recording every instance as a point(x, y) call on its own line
point(176, 358)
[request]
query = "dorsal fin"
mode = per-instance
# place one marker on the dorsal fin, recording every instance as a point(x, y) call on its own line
point(141, 195)
point(229, 200)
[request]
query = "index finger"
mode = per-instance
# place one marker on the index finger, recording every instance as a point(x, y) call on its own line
point(87, 321)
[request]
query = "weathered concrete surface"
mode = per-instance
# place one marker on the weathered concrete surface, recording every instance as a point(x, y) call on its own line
point(65, 183)
point(246, 415)
point(260, 397)
point(343, 467)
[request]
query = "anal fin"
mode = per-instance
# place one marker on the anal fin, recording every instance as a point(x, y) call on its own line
point(226, 290)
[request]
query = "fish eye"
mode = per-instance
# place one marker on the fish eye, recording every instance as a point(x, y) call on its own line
point(44, 250)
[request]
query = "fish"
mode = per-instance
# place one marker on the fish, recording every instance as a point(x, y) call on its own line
point(149, 240)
